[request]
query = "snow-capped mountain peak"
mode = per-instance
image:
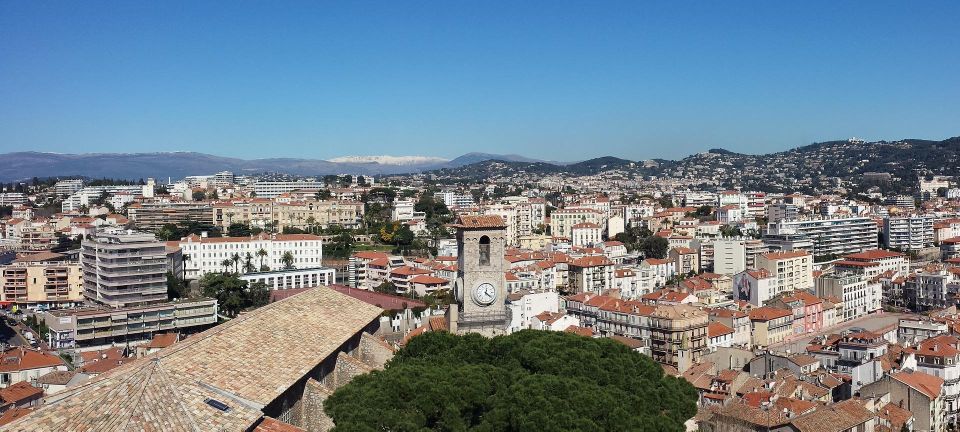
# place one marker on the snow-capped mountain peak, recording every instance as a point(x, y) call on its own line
point(390, 160)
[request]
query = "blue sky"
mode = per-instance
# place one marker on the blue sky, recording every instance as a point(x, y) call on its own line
point(554, 79)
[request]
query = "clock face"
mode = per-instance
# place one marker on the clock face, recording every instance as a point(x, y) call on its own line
point(485, 294)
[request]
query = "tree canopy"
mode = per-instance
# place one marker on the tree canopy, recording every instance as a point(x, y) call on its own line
point(234, 295)
point(529, 380)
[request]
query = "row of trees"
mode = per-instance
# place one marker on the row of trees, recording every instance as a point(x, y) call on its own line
point(245, 263)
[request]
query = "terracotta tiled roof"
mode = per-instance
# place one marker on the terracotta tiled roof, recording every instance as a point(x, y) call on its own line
point(270, 424)
point(380, 300)
point(767, 313)
point(57, 377)
point(428, 280)
point(775, 256)
point(715, 329)
point(591, 261)
point(245, 363)
point(481, 221)
point(582, 331)
point(843, 415)
point(13, 414)
point(20, 359)
point(163, 340)
point(874, 254)
point(19, 392)
point(925, 383)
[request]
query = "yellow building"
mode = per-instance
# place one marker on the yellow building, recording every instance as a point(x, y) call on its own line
point(42, 284)
point(770, 325)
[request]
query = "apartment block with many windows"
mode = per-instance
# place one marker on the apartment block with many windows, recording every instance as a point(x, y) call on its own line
point(124, 268)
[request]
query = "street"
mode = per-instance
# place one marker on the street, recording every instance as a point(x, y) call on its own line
point(869, 322)
point(9, 336)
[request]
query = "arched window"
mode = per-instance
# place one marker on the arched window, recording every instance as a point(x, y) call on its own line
point(484, 250)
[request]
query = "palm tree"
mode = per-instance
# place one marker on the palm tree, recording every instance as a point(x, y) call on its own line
point(235, 258)
point(262, 253)
point(287, 260)
point(226, 263)
point(183, 267)
point(248, 263)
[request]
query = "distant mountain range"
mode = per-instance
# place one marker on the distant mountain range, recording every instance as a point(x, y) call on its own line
point(25, 165)
point(805, 166)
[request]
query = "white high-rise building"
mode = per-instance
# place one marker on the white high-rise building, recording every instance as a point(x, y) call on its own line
point(831, 236)
point(908, 232)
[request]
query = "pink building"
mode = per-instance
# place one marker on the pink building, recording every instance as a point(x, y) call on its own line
point(807, 311)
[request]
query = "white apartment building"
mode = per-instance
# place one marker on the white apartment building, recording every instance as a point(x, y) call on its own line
point(403, 210)
point(792, 270)
point(67, 187)
point(633, 214)
point(12, 198)
point(207, 254)
point(831, 236)
point(293, 279)
point(276, 188)
point(585, 234)
point(531, 213)
point(699, 199)
point(945, 229)
point(453, 199)
point(89, 194)
point(908, 232)
point(729, 256)
point(563, 220)
point(729, 214)
point(859, 296)
point(875, 262)
point(735, 198)
point(509, 215)
point(525, 305)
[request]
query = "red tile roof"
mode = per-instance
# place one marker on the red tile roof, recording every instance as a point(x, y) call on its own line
point(13, 414)
point(482, 221)
point(19, 392)
point(163, 340)
point(19, 359)
point(384, 301)
point(776, 256)
point(874, 254)
point(767, 313)
point(925, 383)
point(715, 329)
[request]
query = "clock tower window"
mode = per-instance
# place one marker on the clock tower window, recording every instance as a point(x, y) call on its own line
point(484, 251)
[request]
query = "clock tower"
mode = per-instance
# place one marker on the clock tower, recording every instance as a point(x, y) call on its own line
point(480, 288)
